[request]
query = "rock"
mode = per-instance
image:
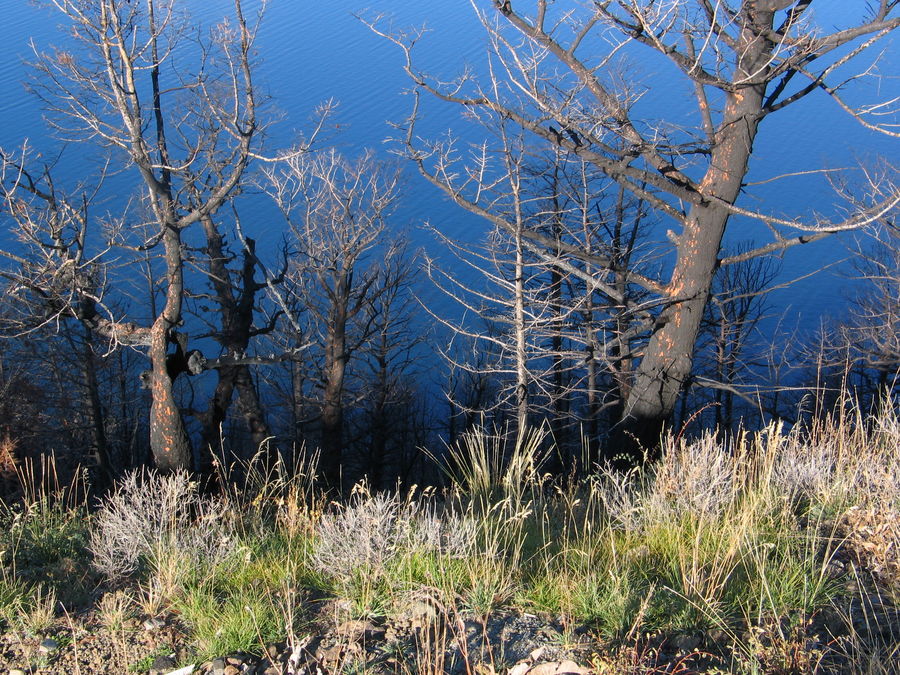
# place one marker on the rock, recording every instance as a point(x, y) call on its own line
point(420, 614)
point(16, 671)
point(686, 643)
point(231, 669)
point(268, 669)
point(154, 623)
point(217, 667)
point(331, 655)
point(187, 670)
point(537, 654)
point(559, 668)
point(353, 631)
point(163, 664)
point(519, 669)
point(48, 645)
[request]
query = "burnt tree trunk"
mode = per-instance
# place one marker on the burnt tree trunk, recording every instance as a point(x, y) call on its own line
point(236, 330)
point(334, 372)
point(667, 362)
point(95, 405)
point(169, 441)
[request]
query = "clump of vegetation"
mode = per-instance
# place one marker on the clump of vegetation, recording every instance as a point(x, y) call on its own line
point(158, 521)
point(44, 557)
point(775, 552)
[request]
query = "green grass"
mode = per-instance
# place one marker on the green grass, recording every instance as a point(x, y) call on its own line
point(45, 561)
point(735, 542)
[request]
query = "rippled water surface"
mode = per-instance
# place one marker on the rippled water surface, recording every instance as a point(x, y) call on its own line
point(311, 51)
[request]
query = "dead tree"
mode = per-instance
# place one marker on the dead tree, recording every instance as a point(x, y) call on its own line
point(552, 70)
point(387, 431)
point(724, 376)
point(552, 347)
point(337, 211)
point(121, 89)
point(865, 344)
point(234, 295)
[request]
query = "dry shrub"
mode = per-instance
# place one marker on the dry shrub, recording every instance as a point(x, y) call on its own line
point(364, 534)
point(879, 464)
point(841, 461)
point(373, 529)
point(807, 470)
point(150, 518)
point(872, 535)
point(621, 496)
point(695, 478)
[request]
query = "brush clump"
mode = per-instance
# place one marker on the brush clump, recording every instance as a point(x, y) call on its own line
point(151, 517)
point(773, 551)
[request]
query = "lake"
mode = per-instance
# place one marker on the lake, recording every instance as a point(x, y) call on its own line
point(313, 51)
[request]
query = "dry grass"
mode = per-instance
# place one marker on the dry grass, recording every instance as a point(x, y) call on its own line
point(774, 553)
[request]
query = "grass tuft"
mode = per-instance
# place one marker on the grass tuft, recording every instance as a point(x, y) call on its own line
point(775, 552)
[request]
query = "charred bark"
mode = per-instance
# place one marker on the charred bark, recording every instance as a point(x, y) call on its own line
point(236, 311)
point(667, 361)
point(335, 368)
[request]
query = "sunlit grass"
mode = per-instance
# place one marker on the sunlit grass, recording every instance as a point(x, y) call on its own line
point(744, 546)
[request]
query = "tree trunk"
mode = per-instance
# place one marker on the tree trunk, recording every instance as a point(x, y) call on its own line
point(254, 417)
point(92, 389)
point(521, 397)
point(236, 315)
point(169, 441)
point(332, 410)
point(212, 419)
point(668, 359)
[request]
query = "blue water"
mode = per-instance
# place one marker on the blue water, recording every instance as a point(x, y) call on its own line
point(313, 51)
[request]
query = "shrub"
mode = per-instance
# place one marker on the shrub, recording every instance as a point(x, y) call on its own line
point(696, 478)
point(373, 529)
point(151, 518)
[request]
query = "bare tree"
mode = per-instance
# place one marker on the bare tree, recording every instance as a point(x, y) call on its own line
point(552, 71)
point(337, 211)
point(727, 368)
point(504, 301)
point(234, 293)
point(178, 106)
point(867, 341)
point(389, 431)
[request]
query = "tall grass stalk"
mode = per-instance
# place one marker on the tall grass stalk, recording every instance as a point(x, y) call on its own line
point(751, 541)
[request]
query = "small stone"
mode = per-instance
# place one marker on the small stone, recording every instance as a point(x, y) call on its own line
point(187, 670)
point(48, 645)
point(16, 671)
point(420, 614)
point(353, 631)
point(330, 655)
point(686, 643)
point(154, 623)
point(231, 670)
point(163, 663)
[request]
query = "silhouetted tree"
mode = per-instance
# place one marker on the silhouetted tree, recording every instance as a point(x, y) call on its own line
point(341, 262)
